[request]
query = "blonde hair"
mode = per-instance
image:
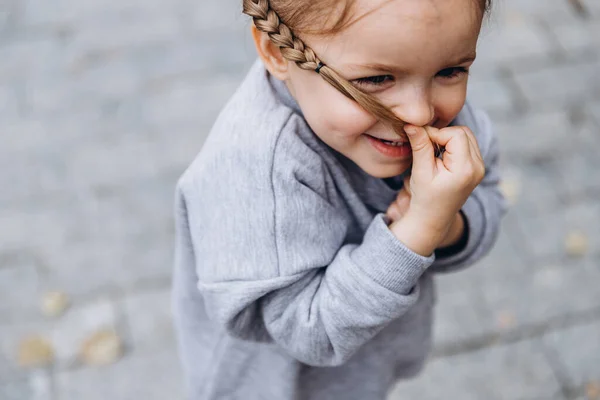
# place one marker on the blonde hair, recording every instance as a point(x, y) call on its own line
point(301, 17)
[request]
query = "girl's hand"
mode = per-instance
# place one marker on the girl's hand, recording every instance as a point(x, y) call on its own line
point(438, 187)
point(400, 206)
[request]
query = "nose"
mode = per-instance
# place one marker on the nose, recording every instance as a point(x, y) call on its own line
point(416, 107)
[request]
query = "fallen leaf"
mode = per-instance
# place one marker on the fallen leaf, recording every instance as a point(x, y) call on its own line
point(510, 189)
point(54, 304)
point(506, 320)
point(592, 390)
point(102, 348)
point(576, 244)
point(35, 351)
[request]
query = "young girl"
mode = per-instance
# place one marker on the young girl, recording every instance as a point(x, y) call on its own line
point(344, 173)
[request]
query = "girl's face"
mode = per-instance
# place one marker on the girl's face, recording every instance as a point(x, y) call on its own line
point(413, 55)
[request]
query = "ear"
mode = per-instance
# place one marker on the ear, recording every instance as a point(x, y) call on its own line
point(270, 54)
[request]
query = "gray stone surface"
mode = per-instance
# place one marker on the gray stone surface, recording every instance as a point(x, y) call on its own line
point(103, 104)
point(153, 375)
point(149, 330)
point(561, 85)
point(578, 352)
point(516, 372)
point(38, 386)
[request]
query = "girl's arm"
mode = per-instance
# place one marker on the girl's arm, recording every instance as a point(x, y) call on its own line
point(274, 264)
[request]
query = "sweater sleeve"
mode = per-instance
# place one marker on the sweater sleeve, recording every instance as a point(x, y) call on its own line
point(276, 262)
point(485, 207)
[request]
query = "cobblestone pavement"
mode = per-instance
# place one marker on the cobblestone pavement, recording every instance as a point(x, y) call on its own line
point(103, 104)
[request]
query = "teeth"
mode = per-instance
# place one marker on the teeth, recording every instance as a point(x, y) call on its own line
point(395, 144)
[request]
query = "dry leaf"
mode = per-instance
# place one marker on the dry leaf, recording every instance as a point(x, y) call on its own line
point(506, 320)
point(576, 244)
point(102, 348)
point(54, 304)
point(35, 351)
point(592, 391)
point(510, 190)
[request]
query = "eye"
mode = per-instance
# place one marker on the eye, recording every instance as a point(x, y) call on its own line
point(453, 72)
point(373, 80)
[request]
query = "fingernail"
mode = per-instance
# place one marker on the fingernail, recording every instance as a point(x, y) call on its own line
point(411, 130)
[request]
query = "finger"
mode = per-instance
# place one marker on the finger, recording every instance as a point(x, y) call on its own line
point(454, 139)
point(394, 212)
point(422, 147)
point(475, 149)
point(403, 201)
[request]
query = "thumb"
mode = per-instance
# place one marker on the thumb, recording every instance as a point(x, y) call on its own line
point(422, 147)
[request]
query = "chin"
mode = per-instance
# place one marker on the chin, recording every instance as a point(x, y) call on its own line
point(385, 171)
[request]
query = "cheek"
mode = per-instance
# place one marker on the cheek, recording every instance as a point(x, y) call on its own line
point(328, 112)
point(448, 102)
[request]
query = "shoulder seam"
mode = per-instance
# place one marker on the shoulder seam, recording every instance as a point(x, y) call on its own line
point(275, 236)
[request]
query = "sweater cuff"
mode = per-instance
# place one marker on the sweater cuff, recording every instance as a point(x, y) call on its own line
point(387, 261)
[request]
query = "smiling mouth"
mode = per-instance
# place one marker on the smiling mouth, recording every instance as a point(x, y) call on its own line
point(398, 142)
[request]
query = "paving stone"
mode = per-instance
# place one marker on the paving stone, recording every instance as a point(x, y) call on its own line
point(18, 231)
point(542, 135)
point(518, 40)
point(492, 95)
point(592, 7)
point(187, 101)
point(65, 335)
point(230, 53)
point(576, 350)
point(149, 330)
point(578, 83)
point(19, 288)
point(594, 111)
point(9, 108)
point(19, 59)
point(78, 323)
point(538, 295)
point(462, 312)
point(152, 375)
point(37, 386)
point(91, 88)
point(578, 38)
point(207, 17)
point(11, 334)
point(517, 372)
point(538, 189)
point(545, 232)
point(579, 172)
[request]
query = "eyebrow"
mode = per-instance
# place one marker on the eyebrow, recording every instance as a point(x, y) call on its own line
point(390, 68)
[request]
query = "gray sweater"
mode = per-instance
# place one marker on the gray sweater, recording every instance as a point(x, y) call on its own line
point(288, 283)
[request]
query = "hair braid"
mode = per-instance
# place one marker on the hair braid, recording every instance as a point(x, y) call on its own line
point(292, 48)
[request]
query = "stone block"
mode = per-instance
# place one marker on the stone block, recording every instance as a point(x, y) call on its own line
point(542, 136)
point(506, 43)
point(537, 296)
point(578, 83)
point(492, 95)
point(188, 101)
point(517, 371)
point(152, 375)
point(149, 318)
point(576, 349)
point(37, 386)
point(545, 233)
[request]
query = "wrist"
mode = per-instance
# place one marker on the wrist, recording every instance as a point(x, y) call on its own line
point(417, 235)
point(456, 231)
